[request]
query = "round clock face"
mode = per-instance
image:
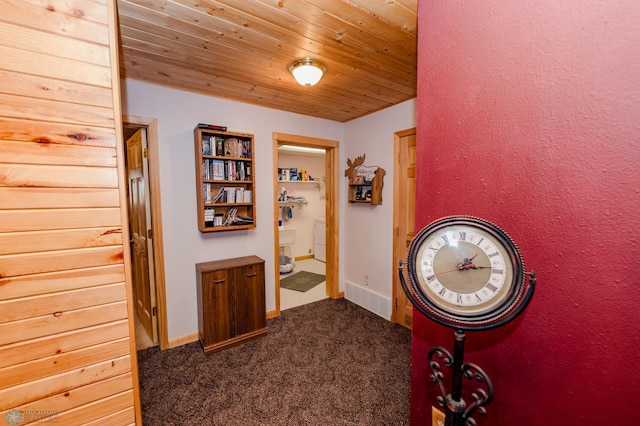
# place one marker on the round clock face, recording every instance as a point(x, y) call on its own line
point(465, 272)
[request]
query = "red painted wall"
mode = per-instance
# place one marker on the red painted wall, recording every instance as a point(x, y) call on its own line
point(529, 116)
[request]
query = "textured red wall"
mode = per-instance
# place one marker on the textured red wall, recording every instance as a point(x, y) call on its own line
point(529, 116)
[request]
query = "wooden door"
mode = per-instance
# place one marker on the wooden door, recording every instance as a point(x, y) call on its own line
point(218, 306)
point(250, 300)
point(403, 217)
point(141, 254)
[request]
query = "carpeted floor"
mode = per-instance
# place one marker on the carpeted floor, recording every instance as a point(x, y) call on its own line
point(327, 363)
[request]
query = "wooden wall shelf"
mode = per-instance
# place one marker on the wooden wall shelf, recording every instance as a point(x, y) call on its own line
point(225, 185)
point(365, 182)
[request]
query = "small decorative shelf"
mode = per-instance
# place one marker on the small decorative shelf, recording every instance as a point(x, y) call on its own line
point(365, 182)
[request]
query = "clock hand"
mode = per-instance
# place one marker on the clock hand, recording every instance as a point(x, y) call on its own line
point(463, 267)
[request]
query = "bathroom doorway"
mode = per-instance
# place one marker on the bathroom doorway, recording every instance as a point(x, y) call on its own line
point(307, 201)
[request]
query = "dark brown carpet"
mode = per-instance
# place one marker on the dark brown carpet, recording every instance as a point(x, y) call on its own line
point(326, 363)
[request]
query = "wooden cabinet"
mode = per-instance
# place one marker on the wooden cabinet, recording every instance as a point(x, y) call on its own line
point(231, 302)
point(225, 180)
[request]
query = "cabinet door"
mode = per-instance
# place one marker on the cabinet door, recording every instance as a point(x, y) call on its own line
point(218, 306)
point(250, 301)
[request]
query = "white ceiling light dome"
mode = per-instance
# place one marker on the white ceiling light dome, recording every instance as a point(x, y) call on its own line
point(307, 71)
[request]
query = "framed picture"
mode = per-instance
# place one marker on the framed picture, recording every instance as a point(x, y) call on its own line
point(358, 180)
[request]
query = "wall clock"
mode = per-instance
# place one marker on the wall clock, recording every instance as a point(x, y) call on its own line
point(465, 273)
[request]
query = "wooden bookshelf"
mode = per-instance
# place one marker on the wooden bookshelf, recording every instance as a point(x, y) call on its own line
point(225, 180)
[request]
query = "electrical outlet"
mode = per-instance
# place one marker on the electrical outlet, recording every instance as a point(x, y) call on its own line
point(366, 279)
point(437, 417)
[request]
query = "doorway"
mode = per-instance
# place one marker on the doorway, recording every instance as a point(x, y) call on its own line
point(404, 196)
point(147, 253)
point(330, 189)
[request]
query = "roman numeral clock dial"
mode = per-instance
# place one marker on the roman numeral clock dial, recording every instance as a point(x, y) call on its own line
point(465, 272)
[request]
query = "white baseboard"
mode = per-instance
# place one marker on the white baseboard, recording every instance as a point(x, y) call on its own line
point(370, 300)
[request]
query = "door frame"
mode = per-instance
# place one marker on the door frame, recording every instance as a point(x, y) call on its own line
point(331, 148)
point(398, 240)
point(151, 126)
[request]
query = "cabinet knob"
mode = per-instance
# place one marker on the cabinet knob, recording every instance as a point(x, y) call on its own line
point(251, 275)
point(219, 281)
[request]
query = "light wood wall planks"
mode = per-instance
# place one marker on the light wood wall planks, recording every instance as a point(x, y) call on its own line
point(240, 50)
point(66, 349)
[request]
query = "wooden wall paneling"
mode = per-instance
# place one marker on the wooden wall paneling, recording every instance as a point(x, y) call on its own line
point(79, 396)
point(66, 323)
point(21, 198)
point(52, 89)
point(26, 242)
point(82, 395)
point(57, 154)
point(105, 409)
point(49, 346)
point(22, 373)
point(59, 260)
point(60, 322)
point(15, 396)
point(58, 17)
point(30, 285)
point(61, 218)
point(60, 302)
point(33, 130)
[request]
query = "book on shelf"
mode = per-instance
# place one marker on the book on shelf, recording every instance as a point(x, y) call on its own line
point(232, 170)
point(247, 196)
point(209, 215)
point(243, 220)
point(218, 218)
point(229, 194)
point(217, 198)
point(218, 169)
point(231, 147)
point(211, 127)
point(230, 219)
point(246, 149)
point(206, 193)
point(206, 146)
point(218, 143)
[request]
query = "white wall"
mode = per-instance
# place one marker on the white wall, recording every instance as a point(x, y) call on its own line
point(178, 113)
point(368, 248)
point(365, 231)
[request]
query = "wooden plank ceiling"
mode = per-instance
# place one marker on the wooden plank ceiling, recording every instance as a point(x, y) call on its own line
point(240, 50)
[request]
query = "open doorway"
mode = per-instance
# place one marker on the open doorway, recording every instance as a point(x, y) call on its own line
point(325, 182)
point(145, 221)
point(301, 225)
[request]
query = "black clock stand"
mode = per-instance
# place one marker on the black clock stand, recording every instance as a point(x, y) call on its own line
point(458, 413)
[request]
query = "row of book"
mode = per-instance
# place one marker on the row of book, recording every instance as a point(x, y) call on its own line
point(293, 174)
point(226, 194)
point(225, 169)
point(226, 218)
point(221, 146)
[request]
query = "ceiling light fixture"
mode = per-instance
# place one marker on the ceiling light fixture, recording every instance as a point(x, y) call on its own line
point(307, 71)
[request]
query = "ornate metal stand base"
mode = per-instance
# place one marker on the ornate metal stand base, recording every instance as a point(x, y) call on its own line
point(458, 413)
